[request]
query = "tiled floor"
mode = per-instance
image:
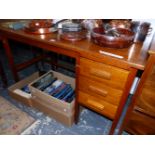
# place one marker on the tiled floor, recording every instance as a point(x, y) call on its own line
point(90, 123)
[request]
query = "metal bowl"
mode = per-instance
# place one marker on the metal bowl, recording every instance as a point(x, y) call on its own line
point(114, 38)
point(73, 36)
point(122, 23)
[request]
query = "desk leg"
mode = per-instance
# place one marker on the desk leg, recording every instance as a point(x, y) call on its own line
point(10, 59)
point(2, 74)
point(77, 106)
point(129, 83)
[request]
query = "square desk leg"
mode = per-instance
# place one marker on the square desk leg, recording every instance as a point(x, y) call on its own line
point(15, 68)
point(2, 74)
point(120, 108)
point(10, 59)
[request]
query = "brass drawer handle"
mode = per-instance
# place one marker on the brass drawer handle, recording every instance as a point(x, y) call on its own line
point(98, 90)
point(101, 74)
point(95, 104)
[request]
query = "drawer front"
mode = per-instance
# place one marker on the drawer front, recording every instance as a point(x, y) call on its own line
point(53, 102)
point(64, 118)
point(140, 124)
point(110, 75)
point(100, 90)
point(97, 105)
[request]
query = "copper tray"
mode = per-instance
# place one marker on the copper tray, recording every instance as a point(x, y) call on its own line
point(40, 30)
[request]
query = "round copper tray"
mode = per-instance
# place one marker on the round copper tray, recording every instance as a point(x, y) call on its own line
point(73, 36)
point(40, 30)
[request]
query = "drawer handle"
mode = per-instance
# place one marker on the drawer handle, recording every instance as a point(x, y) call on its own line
point(101, 74)
point(98, 90)
point(95, 104)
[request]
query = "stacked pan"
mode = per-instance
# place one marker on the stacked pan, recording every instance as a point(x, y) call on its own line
point(72, 32)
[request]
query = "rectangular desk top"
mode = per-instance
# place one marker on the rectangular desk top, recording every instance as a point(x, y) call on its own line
point(134, 56)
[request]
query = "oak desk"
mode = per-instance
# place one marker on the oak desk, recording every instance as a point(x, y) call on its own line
point(102, 82)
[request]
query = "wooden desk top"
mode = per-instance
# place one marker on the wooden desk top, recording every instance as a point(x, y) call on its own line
point(134, 56)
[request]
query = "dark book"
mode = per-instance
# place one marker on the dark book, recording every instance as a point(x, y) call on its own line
point(47, 84)
point(53, 86)
point(62, 91)
point(58, 89)
point(26, 89)
point(44, 82)
point(70, 99)
point(65, 93)
point(69, 96)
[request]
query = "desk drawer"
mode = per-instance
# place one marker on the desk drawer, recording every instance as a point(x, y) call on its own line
point(110, 75)
point(97, 105)
point(100, 90)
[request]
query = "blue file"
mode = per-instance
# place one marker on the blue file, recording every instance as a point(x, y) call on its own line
point(68, 95)
point(58, 89)
point(61, 92)
point(65, 93)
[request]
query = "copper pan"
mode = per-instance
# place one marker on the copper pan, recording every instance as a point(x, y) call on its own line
point(40, 30)
point(44, 27)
